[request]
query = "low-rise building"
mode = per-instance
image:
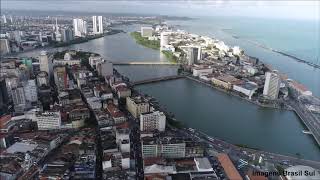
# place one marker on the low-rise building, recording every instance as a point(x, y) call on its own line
point(116, 114)
point(228, 167)
point(225, 81)
point(48, 120)
point(137, 105)
point(202, 71)
point(152, 121)
point(123, 92)
point(247, 88)
point(167, 147)
point(146, 31)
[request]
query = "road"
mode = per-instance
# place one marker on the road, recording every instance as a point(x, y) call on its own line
point(246, 153)
point(312, 123)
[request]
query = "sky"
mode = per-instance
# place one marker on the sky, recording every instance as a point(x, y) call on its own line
point(291, 9)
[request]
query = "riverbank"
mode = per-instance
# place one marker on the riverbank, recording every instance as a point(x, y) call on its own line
point(170, 56)
point(274, 105)
point(235, 149)
point(144, 41)
point(88, 38)
point(153, 44)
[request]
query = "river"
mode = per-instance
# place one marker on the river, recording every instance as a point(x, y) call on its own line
point(211, 111)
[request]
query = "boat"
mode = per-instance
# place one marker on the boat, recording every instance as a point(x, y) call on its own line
point(306, 132)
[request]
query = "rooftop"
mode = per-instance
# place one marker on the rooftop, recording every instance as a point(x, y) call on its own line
point(21, 147)
point(228, 167)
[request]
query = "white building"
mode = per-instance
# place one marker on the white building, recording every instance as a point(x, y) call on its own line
point(271, 85)
point(146, 31)
point(137, 106)
point(45, 62)
point(202, 71)
point(94, 102)
point(159, 169)
point(163, 148)
point(236, 51)
point(247, 88)
point(48, 120)
point(30, 91)
point(97, 25)
point(4, 46)
point(80, 27)
point(153, 121)
point(164, 39)
point(251, 70)
point(221, 46)
point(4, 19)
point(93, 60)
point(123, 140)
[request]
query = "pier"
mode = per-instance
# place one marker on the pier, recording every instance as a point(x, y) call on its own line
point(154, 80)
point(146, 63)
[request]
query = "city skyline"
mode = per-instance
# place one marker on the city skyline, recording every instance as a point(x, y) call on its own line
point(304, 10)
point(174, 95)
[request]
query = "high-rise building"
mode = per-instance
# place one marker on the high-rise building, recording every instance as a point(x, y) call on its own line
point(4, 19)
point(45, 62)
point(4, 46)
point(80, 27)
point(4, 97)
point(60, 77)
point(11, 20)
point(18, 95)
point(271, 85)
point(19, 99)
point(58, 36)
point(66, 35)
point(164, 39)
point(94, 25)
point(97, 25)
point(30, 91)
point(100, 22)
point(152, 121)
point(146, 31)
point(11, 83)
point(199, 54)
point(192, 55)
point(16, 35)
point(137, 105)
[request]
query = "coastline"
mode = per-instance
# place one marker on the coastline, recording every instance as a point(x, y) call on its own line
point(278, 52)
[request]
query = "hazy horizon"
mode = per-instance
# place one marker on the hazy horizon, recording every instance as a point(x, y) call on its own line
point(305, 10)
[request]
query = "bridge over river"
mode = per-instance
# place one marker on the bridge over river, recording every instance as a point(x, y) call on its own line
point(153, 80)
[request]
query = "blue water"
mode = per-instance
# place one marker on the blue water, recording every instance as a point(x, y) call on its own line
point(300, 38)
